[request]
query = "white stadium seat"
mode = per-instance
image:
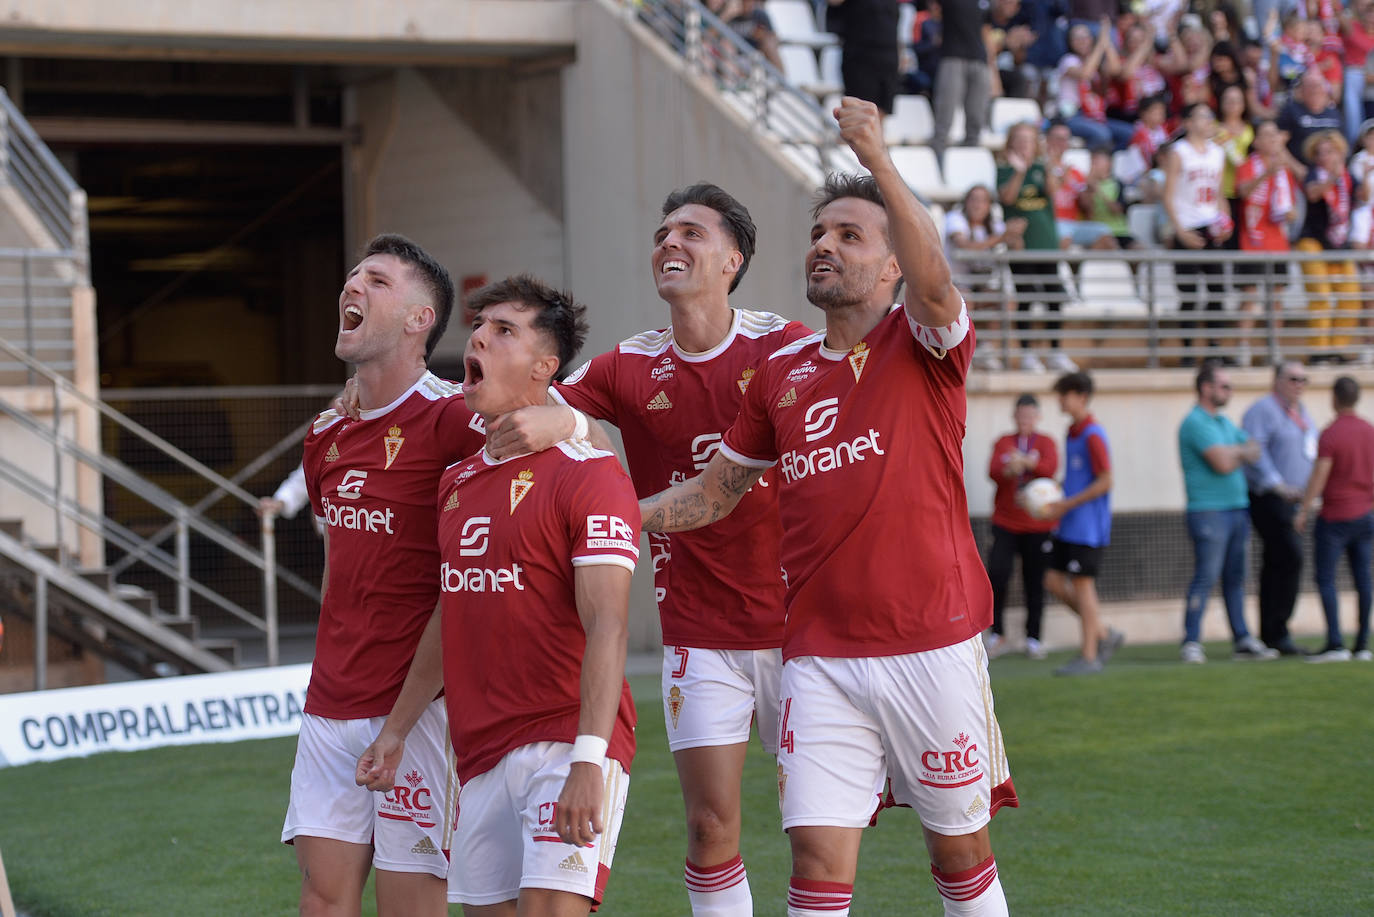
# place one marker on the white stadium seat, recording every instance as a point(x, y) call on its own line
point(1142, 220)
point(830, 65)
point(1006, 112)
point(1108, 287)
point(966, 166)
point(799, 66)
point(911, 121)
point(921, 171)
point(1079, 158)
point(794, 22)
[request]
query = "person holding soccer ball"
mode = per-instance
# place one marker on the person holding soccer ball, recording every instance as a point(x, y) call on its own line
point(885, 693)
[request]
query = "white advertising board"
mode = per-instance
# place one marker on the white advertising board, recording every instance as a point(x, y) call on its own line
point(192, 709)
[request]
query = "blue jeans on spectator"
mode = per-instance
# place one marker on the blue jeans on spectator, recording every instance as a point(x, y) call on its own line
point(1219, 538)
point(1352, 103)
point(1111, 133)
point(1354, 538)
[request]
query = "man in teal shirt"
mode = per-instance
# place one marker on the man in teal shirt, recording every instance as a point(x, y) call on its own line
point(1212, 450)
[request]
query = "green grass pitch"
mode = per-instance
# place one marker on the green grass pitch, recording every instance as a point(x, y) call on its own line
point(1153, 789)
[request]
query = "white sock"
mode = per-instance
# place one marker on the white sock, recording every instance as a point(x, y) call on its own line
point(975, 892)
point(813, 898)
point(719, 891)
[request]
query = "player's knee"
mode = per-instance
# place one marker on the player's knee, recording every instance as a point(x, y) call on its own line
point(956, 853)
point(708, 826)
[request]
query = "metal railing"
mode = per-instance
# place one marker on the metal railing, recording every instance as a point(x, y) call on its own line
point(772, 106)
point(185, 521)
point(36, 288)
point(27, 165)
point(1145, 308)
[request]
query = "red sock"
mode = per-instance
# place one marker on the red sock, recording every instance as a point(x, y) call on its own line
point(812, 898)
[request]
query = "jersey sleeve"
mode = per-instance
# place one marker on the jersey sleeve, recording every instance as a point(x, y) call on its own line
point(603, 517)
point(944, 343)
point(591, 388)
point(310, 463)
point(1099, 456)
point(750, 441)
point(1326, 444)
point(998, 462)
point(1049, 458)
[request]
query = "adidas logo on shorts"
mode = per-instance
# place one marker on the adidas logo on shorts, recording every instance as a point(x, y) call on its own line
point(425, 846)
point(573, 863)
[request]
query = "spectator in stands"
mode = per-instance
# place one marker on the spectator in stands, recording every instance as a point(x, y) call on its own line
point(1149, 136)
point(1331, 196)
point(1255, 65)
point(1069, 200)
point(1085, 525)
point(1026, 189)
point(1187, 63)
point(1324, 46)
point(1049, 45)
point(1226, 72)
point(1196, 210)
point(1234, 134)
point(1224, 23)
point(973, 227)
point(1101, 200)
point(1357, 40)
point(926, 45)
point(965, 75)
point(751, 22)
point(1138, 78)
point(1344, 479)
point(1267, 194)
point(1017, 459)
point(1289, 55)
point(1308, 112)
point(1082, 82)
point(1287, 437)
point(1010, 35)
point(1362, 163)
point(868, 34)
point(1212, 451)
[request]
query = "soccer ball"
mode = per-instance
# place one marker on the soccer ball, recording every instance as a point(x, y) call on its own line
point(1038, 494)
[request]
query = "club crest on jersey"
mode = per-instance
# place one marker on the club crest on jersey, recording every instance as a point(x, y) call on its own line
point(660, 402)
point(333, 454)
point(858, 358)
point(393, 442)
point(786, 401)
point(520, 485)
point(744, 379)
point(452, 502)
point(675, 700)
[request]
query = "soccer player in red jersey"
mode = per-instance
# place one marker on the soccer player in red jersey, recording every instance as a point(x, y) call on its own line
point(537, 553)
point(371, 483)
point(885, 674)
point(673, 392)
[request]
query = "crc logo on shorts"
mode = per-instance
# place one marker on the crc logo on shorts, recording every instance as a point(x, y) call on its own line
point(952, 767)
point(410, 801)
point(821, 418)
point(605, 531)
point(473, 541)
point(703, 447)
point(351, 487)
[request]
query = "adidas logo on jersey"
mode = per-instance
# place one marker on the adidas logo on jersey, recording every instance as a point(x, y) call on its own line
point(573, 863)
point(333, 454)
point(452, 501)
point(660, 402)
point(786, 401)
point(425, 846)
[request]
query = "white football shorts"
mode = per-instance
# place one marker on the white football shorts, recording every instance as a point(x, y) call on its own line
point(924, 721)
point(710, 697)
point(411, 827)
point(506, 839)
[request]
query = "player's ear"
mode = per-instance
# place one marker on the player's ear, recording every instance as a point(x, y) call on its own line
point(421, 320)
point(733, 263)
point(545, 367)
point(892, 271)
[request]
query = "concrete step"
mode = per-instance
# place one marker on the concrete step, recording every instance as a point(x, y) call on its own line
point(14, 528)
point(228, 650)
point(51, 551)
point(188, 628)
point(139, 598)
point(99, 577)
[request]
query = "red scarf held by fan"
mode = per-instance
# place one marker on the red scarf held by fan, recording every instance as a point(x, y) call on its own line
point(1337, 198)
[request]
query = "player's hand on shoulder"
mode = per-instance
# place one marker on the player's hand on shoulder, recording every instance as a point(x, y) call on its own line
point(529, 429)
point(579, 805)
point(346, 402)
point(861, 126)
point(378, 763)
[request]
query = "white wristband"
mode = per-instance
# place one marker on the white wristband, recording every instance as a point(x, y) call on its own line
point(589, 749)
point(579, 424)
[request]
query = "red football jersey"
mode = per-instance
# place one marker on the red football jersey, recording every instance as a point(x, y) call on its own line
point(721, 587)
point(511, 534)
point(371, 482)
point(879, 555)
point(1006, 512)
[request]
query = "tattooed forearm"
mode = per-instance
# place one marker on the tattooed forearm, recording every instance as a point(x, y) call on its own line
point(735, 480)
point(704, 499)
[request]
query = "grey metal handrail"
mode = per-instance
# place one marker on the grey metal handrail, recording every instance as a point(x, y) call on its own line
point(57, 201)
point(186, 520)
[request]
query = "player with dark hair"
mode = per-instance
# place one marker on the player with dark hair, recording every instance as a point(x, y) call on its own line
point(673, 392)
point(537, 552)
point(1085, 525)
point(371, 482)
point(885, 682)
